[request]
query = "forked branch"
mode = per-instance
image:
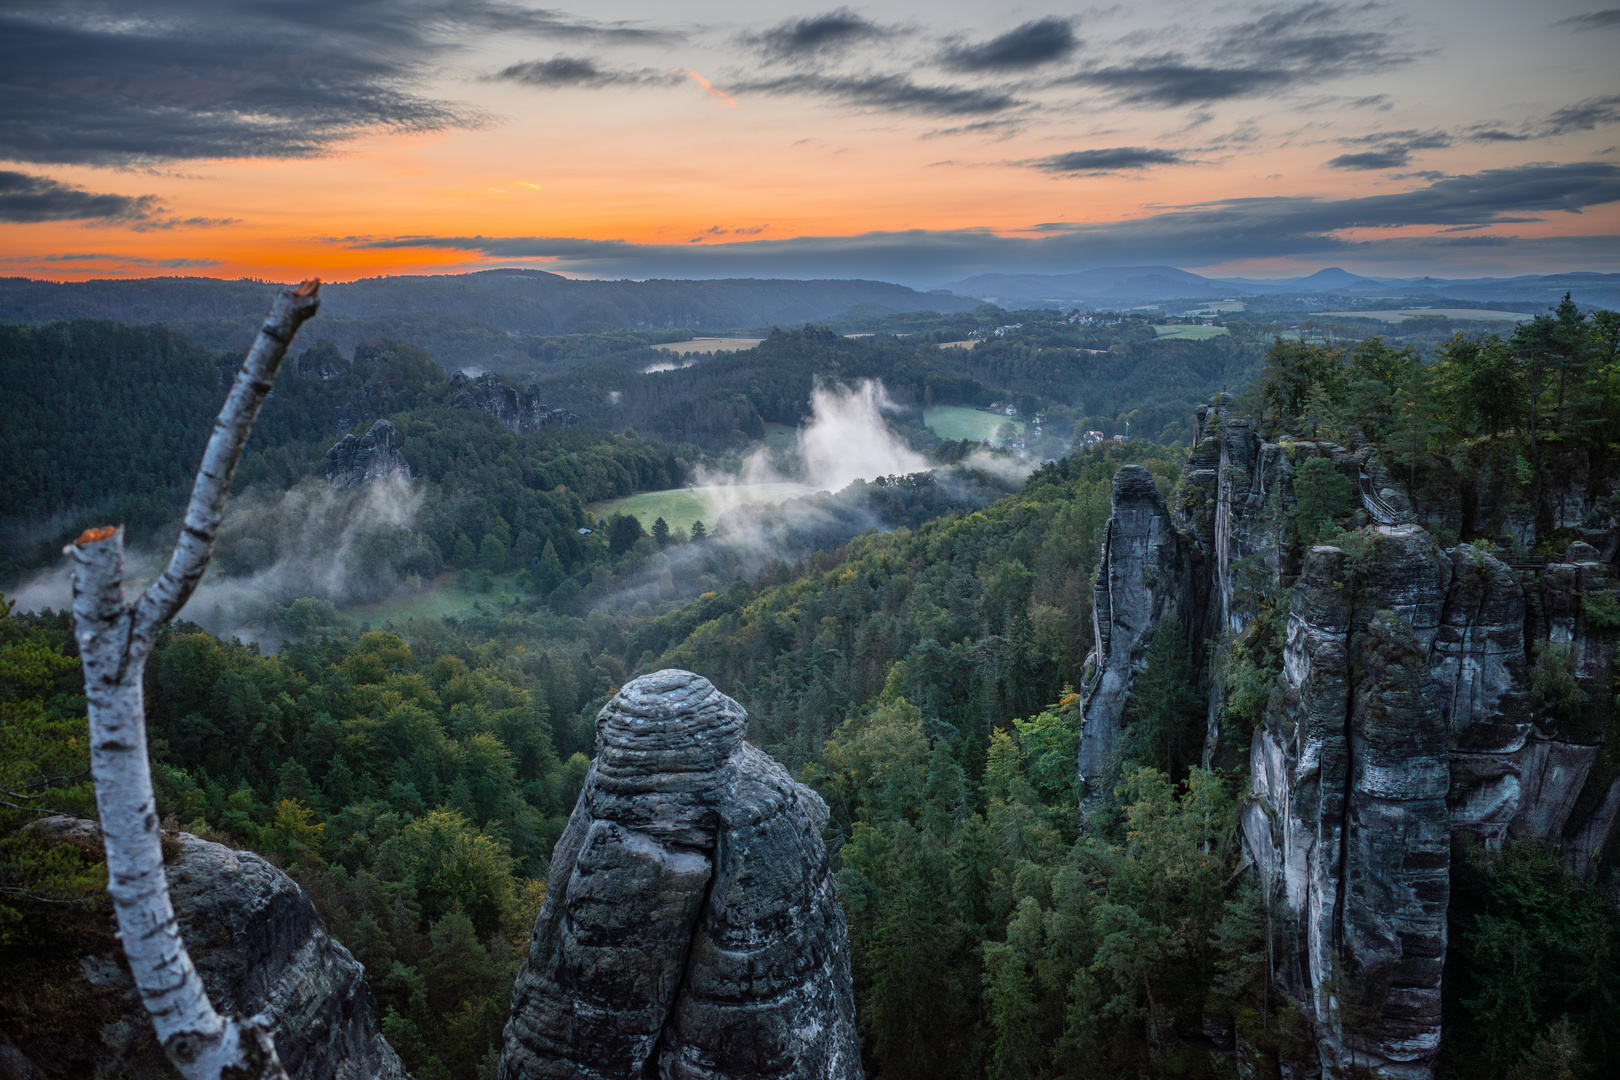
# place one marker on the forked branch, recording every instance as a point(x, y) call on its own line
point(114, 640)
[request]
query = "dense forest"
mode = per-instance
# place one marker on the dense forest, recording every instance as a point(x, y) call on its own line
point(910, 649)
point(492, 318)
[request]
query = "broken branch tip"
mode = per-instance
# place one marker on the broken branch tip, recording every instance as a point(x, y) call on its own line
point(95, 536)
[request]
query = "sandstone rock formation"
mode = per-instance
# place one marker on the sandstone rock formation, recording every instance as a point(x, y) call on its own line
point(518, 410)
point(691, 927)
point(1404, 715)
point(1143, 580)
point(361, 459)
point(260, 948)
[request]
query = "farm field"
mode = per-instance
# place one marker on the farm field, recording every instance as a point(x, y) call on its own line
point(710, 344)
point(960, 422)
point(679, 507)
point(1190, 333)
point(1402, 314)
point(957, 344)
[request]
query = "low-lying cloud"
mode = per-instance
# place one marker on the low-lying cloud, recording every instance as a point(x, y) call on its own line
point(1196, 235)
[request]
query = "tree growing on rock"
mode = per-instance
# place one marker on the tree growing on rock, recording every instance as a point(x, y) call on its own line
point(115, 638)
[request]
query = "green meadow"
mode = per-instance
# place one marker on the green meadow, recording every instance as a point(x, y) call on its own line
point(680, 507)
point(959, 422)
point(1190, 333)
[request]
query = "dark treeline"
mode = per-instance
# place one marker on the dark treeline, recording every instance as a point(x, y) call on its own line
point(479, 318)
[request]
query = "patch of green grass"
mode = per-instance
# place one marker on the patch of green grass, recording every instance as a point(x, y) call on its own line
point(960, 422)
point(679, 507)
point(1190, 333)
point(781, 436)
point(444, 595)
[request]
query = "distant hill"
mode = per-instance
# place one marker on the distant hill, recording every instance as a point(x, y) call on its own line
point(464, 318)
point(1136, 285)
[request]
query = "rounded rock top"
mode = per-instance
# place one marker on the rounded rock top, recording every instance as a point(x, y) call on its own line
point(672, 720)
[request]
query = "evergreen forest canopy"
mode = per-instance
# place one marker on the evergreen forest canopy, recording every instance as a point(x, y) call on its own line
point(414, 776)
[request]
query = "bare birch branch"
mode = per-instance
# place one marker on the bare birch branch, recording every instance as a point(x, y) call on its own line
point(114, 640)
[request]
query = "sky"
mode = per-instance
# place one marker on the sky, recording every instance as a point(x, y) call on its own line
point(904, 141)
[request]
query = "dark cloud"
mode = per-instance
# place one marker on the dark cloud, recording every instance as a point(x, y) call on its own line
point(895, 93)
point(1283, 48)
point(818, 34)
point(1597, 20)
point(1491, 134)
point(1197, 235)
point(1393, 158)
point(564, 71)
point(1392, 149)
point(1110, 159)
point(25, 198)
point(128, 260)
point(119, 81)
point(1030, 45)
point(1585, 115)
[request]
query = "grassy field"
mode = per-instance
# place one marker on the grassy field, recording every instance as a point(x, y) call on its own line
point(1190, 333)
point(957, 344)
point(679, 507)
point(710, 344)
point(959, 422)
point(442, 596)
point(1402, 314)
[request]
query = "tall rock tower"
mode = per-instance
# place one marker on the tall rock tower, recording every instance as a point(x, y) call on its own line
point(691, 926)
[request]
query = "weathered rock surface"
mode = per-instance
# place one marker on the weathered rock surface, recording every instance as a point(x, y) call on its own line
point(1404, 715)
point(362, 459)
point(691, 927)
point(1142, 581)
point(260, 948)
point(517, 410)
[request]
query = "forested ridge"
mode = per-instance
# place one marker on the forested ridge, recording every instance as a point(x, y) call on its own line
point(414, 777)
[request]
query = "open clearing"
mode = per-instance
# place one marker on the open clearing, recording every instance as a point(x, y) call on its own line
point(1403, 314)
point(710, 344)
point(957, 344)
point(960, 422)
point(435, 599)
point(679, 507)
point(1190, 333)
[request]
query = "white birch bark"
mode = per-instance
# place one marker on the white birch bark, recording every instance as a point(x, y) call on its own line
point(114, 640)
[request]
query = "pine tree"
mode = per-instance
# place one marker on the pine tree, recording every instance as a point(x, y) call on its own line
point(660, 532)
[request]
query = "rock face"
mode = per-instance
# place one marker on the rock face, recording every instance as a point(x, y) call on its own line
point(518, 410)
point(691, 927)
point(1142, 581)
point(260, 948)
point(362, 459)
point(1403, 719)
point(1348, 813)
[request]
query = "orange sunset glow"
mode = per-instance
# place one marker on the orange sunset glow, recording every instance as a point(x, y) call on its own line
point(706, 141)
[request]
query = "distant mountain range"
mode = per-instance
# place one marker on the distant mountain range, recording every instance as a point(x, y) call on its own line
point(506, 301)
point(1139, 285)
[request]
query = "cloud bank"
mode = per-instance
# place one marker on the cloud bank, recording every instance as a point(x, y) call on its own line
point(1196, 235)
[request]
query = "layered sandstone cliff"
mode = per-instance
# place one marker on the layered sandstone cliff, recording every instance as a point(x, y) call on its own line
point(364, 459)
point(1406, 713)
point(518, 411)
point(260, 948)
point(691, 927)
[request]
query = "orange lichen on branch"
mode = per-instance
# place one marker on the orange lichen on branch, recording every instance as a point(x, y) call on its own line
point(92, 536)
point(308, 287)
